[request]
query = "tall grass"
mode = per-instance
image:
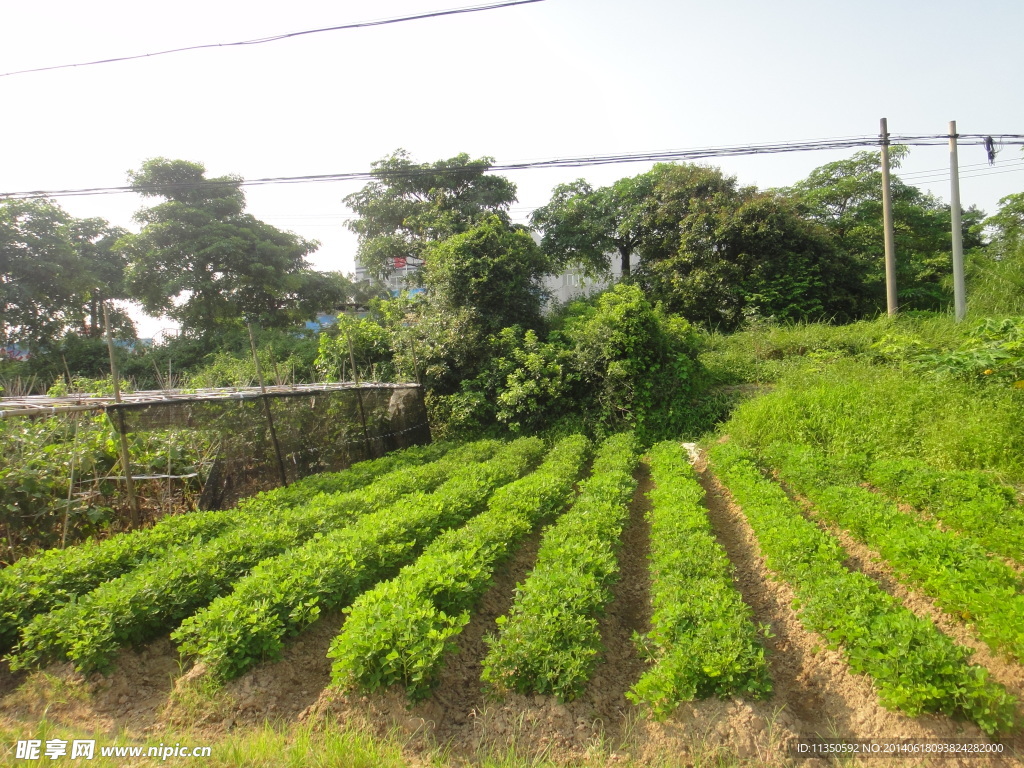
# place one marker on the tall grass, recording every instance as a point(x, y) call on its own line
point(764, 354)
point(866, 412)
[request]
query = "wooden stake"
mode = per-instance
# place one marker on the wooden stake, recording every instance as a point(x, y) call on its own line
point(266, 407)
point(359, 394)
point(133, 502)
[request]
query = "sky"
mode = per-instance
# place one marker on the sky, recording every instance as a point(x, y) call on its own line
point(544, 80)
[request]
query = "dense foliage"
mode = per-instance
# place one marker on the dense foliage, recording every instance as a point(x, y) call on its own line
point(409, 206)
point(55, 271)
point(616, 362)
point(846, 197)
point(203, 261)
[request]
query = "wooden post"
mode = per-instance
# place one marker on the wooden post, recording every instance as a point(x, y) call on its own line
point(266, 407)
point(133, 501)
point(359, 394)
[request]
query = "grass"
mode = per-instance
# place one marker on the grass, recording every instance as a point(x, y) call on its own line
point(305, 745)
point(865, 413)
point(326, 742)
point(765, 353)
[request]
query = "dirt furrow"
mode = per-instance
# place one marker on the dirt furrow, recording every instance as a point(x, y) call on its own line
point(862, 558)
point(815, 691)
point(601, 718)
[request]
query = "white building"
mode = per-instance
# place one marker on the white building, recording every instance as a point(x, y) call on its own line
point(571, 284)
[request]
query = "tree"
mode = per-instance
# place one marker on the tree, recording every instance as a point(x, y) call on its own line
point(1007, 226)
point(410, 205)
point(996, 275)
point(203, 261)
point(749, 255)
point(102, 274)
point(55, 271)
point(38, 272)
point(846, 196)
point(492, 270)
point(584, 226)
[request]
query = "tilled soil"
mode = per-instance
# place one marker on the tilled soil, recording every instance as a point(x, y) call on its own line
point(815, 693)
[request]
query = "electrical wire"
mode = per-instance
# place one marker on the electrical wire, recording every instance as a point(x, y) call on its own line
point(700, 153)
point(275, 38)
point(962, 167)
point(935, 178)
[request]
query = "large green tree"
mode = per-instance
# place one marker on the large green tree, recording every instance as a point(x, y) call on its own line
point(409, 205)
point(718, 253)
point(846, 196)
point(754, 257)
point(583, 226)
point(55, 271)
point(103, 272)
point(205, 262)
point(39, 273)
point(492, 269)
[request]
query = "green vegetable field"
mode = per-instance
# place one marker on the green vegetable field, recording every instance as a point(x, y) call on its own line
point(840, 558)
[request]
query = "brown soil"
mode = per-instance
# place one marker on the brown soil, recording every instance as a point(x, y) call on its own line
point(150, 692)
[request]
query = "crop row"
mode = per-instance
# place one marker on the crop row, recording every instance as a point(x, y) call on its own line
point(39, 583)
point(703, 638)
point(160, 593)
point(550, 641)
point(915, 667)
point(954, 569)
point(967, 500)
point(284, 594)
point(397, 632)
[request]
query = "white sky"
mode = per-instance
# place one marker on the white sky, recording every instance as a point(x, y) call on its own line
point(552, 79)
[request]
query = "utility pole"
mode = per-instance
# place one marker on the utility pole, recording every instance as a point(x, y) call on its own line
point(959, 289)
point(890, 236)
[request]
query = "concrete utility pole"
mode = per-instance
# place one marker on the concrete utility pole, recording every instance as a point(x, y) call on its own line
point(959, 288)
point(890, 236)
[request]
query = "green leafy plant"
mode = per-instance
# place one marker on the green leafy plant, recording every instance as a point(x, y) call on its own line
point(550, 641)
point(163, 591)
point(284, 594)
point(397, 633)
point(43, 582)
point(968, 500)
point(915, 667)
point(954, 569)
point(703, 639)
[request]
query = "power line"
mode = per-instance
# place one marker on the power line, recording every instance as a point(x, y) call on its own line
point(275, 38)
point(963, 166)
point(1019, 166)
point(700, 153)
